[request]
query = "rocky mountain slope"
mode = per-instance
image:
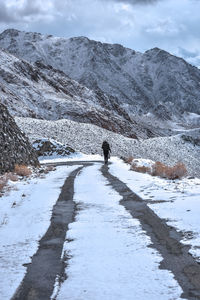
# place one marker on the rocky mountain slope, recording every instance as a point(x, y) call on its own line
point(154, 81)
point(40, 91)
point(14, 146)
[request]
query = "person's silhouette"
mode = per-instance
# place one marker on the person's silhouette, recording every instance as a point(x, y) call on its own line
point(106, 151)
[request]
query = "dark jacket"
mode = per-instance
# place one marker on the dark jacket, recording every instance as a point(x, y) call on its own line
point(106, 147)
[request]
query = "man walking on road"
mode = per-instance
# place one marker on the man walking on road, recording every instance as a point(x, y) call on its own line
point(106, 151)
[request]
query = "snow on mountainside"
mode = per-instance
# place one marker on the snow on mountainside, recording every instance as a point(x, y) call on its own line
point(155, 81)
point(88, 138)
point(39, 91)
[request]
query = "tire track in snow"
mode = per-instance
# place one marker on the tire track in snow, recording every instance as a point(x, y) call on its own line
point(164, 238)
point(109, 253)
point(38, 283)
point(46, 265)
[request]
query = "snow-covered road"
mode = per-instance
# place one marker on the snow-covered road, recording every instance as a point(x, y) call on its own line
point(109, 251)
point(22, 225)
point(110, 255)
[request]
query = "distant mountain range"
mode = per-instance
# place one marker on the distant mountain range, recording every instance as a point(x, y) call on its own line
point(41, 92)
point(87, 81)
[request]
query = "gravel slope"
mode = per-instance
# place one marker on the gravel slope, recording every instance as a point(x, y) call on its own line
point(88, 138)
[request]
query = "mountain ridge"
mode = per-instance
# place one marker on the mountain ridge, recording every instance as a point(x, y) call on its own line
point(137, 88)
point(140, 81)
point(46, 93)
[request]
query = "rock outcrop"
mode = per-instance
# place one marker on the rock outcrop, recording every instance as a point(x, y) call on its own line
point(194, 140)
point(50, 147)
point(14, 145)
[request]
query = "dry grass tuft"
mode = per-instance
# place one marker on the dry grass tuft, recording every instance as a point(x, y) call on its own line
point(22, 170)
point(159, 169)
point(140, 169)
point(176, 172)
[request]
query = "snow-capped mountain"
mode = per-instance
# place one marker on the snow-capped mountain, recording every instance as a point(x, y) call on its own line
point(39, 91)
point(154, 81)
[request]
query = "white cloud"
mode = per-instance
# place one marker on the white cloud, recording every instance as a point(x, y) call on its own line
point(167, 24)
point(166, 27)
point(137, 2)
point(192, 57)
point(17, 11)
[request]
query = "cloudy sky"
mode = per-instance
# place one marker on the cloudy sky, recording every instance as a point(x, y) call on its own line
point(173, 25)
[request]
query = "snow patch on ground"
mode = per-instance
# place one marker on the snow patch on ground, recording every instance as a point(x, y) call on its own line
point(25, 214)
point(178, 201)
point(109, 254)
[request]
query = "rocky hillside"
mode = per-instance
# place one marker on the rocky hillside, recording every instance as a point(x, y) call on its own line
point(40, 91)
point(88, 139)
point(14, 146)
point(50, 147)
point(154, 81)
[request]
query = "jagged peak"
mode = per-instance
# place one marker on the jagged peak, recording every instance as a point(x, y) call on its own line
point(157, 51)
point(15, 33)
point(79, 38)
point(163, 54)
point(10, 32)
point(116, 49)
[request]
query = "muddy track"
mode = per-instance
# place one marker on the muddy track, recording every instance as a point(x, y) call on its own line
point(38, 283)
point(164, 238)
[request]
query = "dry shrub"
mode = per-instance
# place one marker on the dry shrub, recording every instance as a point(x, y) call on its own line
point(129, 160)
point(140, 169)
point(177, 171)
point(11, 176)
point(159, 169)
point(22, 170)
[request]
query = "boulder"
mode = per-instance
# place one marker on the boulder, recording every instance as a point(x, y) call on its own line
point(191, 139)
point(50, 147)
